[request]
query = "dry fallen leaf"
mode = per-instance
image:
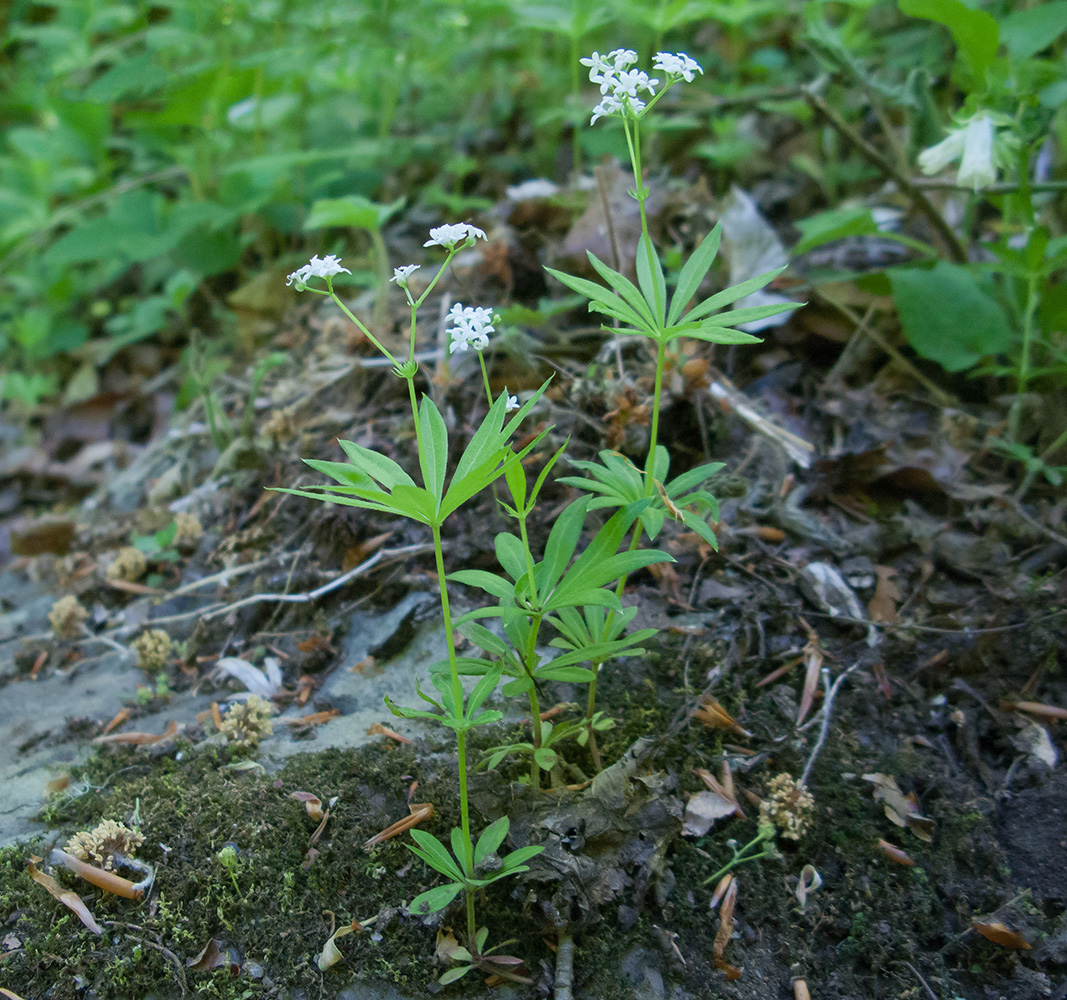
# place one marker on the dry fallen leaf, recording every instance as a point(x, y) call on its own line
point(712, 714)
point(139, 739)
point(1036, 708)
point(1001, 934)
point(211, 957)
point(894, 853)
point(810, 881)
point(330, 954)
point(726, 928)
point(377, 729)
point(702, 810)
point(901, 809)
point(67, 897)
point(420, 811)
point(883, 605)
point(312, 803)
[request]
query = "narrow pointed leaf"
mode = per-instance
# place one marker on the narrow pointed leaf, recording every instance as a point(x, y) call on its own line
point(492, 837)
point(694, 272)
point(650, 278)
point(376, 465)
point(731, 294)
point(434, 899)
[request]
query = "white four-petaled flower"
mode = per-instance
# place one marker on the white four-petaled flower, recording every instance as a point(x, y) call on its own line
point(449, 235)
point(401, 274)
point(318, 267)
point(470, 327)
point(512, 403)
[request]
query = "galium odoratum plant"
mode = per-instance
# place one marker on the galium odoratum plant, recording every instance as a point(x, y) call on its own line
point(646, 310)
point(374, 481)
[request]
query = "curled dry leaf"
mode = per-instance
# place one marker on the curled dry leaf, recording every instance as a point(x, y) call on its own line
point(330, 954)
point(726, 928)
point(809, 882)
point(724, 789)
point(883, 605)
point(901, 809)
point(712, 714)
point(139, 739)
point(720, 890)
point(420, 812)
point(378, 729)
point(894, 853)
point(67, 897)
point(312, 803)
point(1001, 934)
point(702, 810)
point(211, 957)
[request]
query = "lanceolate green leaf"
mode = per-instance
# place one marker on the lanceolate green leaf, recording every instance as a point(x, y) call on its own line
point(492, 837)
point(433, 453)
point(731, 294)
point(375, 465)
point(434, 899)
point(628, 290)
point(600, 298)
point(650, 278)
point(693, 273)
point(435, 854)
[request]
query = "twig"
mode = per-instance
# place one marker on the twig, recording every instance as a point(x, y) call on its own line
point(818, 104)
point(564, 988)
point(824, 729)
point(313, 595)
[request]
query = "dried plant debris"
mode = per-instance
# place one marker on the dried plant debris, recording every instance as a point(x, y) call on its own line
point(129, 565)
point(188, 531)
point(247, 722)
point(152, 649)
point(66, 617)
point(101, 844)
point(901, 809)
point(789, 806)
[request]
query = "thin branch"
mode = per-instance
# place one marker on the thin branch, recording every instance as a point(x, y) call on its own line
point(824, 729)
point(918, 197)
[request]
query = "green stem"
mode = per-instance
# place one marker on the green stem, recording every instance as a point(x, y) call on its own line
point(461, 737)
point(485, 379)
point(1023, 377)
point(740, 857)
point(366, 333)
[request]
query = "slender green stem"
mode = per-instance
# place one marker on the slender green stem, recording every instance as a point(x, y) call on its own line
point(362, 328)
point(653, 435)
point(461, 737)
point(485, 379)
point(741, 856)
point(1023, 377)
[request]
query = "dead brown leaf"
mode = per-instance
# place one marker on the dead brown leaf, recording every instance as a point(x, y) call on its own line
point(726, 928)
point(211, 957)
point(1001, 934)
point(701, 811)
point(139, 739)
point(894, 853)
point(1037, 708)
point(712, 714)
point(67, 897)
point(883, 605)
point(901, 809)
point(312, 803)
point(420, 811)
point(378, 729)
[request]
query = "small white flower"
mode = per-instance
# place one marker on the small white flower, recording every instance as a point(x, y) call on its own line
point(975, 146)
point(512, 403)
point(318, 267)
point(632, 80)
point(622, 59)
point(677, 64)
point(471, 326)
point(401, 274)
point(977, 168)
point(448, 236)
point(607, 108)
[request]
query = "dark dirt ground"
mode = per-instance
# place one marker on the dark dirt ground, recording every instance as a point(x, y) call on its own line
point(966, 585)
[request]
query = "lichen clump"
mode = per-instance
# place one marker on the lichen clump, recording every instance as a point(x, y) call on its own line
point(129, 565)
point(102, 843)
point(247, 722)
point(153, 649)
point(66, 617)
point(188, 531)
point(788, 806)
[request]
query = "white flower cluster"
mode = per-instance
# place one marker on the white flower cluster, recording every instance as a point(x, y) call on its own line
point(319, 267)
point(471, 326)
point(620, 83)
point(978, 146)
point(448, 236)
